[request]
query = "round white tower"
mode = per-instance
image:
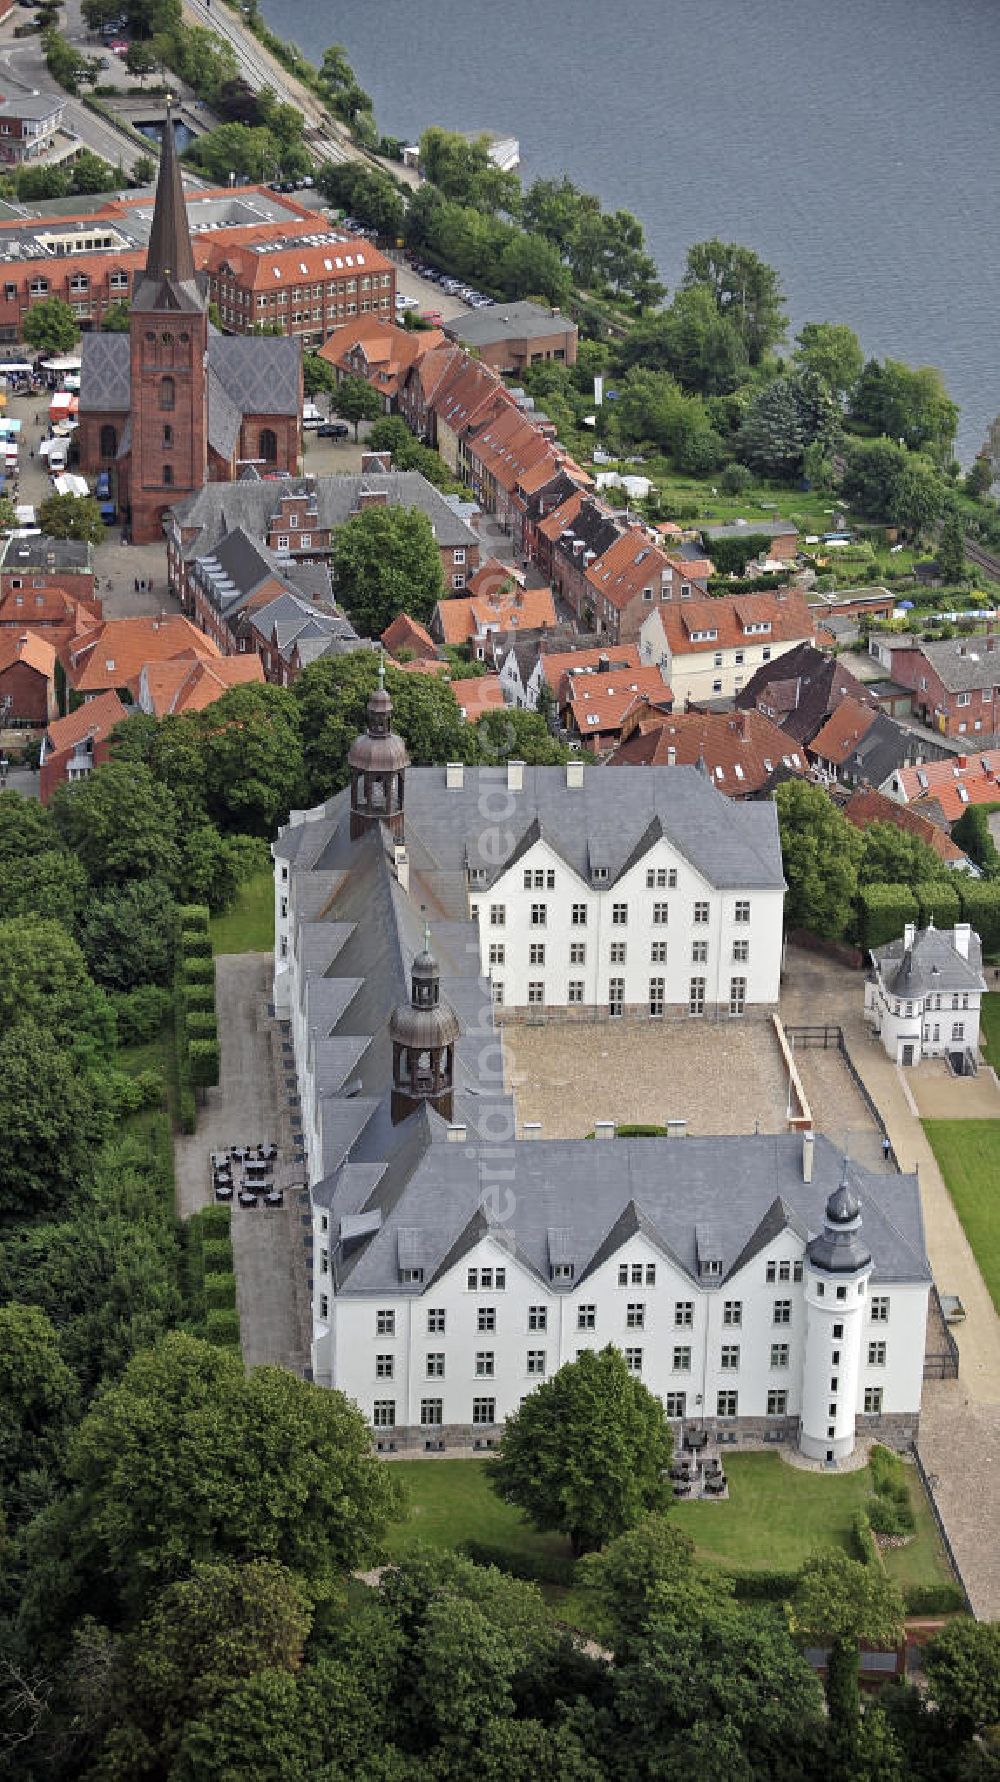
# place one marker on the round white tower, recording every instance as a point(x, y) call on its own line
point(837, 1270)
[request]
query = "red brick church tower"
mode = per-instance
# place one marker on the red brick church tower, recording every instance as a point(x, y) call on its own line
point(168, 363)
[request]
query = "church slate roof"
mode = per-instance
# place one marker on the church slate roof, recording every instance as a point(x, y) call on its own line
point(105, 375)
point(224, 417)
point(247, 375)
point(261, 374)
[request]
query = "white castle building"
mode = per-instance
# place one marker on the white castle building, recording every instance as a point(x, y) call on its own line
point(759, 1285)
point(923, 994)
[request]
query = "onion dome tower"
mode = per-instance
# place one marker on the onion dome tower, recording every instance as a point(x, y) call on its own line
point(838, 1266)
point(378, 761)
point(423, 1034)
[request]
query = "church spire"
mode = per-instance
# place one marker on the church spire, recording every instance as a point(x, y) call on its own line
point(170, 255)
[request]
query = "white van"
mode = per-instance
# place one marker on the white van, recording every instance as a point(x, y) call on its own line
point(311, 415)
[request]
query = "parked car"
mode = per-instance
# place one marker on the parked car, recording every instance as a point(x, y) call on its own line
point(119, 47)
point(433, 316)
point(333, 430)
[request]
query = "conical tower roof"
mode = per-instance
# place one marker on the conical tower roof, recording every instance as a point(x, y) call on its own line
point(169, 280)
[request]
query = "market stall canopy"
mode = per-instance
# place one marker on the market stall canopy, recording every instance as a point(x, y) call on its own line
point(70, 363)
point(71, 485)
point(19, 368)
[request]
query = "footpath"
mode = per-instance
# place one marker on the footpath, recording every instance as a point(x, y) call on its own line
point(960, 1421)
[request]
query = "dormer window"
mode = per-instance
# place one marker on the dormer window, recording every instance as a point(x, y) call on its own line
point(600, 874)
point(562, 1271)
point(411, 1277)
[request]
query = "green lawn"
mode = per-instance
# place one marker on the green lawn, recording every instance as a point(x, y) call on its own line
point(989, 1022)
point(775, 1517)
point(249, 926)
point(968, 1153)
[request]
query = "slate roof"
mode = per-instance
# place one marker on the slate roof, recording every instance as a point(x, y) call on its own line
point(247, 375)
point(800, 689)
point(885, 746)
point(961, 664)
point(251, 502)
point(105, 374)
point(508, 321)
point(931, 963)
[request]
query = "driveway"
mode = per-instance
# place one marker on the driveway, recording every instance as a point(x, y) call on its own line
point(267, 1243)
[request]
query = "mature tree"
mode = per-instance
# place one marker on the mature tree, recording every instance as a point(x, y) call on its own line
point(50, 326)
point(386, 561)
point(840, 1601)
point(332, 696)
point(44, 983)
point(872, 476)
point(463, 171)
point(366, 193)
point(188, 1457)
point(832, 352)
point(773, 437)
point(653, 407)
point(203, 1637)
point(38, 1397)
point(743, 288)
point(318, 376)
point(34, 182)
point(636, 1573)
point(232, 148)
point(128, 937)
point(821, 852)
point(72, 516)
point(962, 1663)
point(587, 1453)
point(50, 883)
point(115, 319)
point(516, 735)
point(553, 207)
point(918, 496)
point(910, 405)
point(120, 823)
point(52, 1114)
point(892, 856)
point(951, 548)
point(143, 171)
point(253, 758)
point(26, 827)
point(530, 267)
point(691, 340)
point(358, 401)
point(90, 174)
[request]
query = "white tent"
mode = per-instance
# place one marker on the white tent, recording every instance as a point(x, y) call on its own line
point(68, 484)
point(70, 362)
point(51, 445)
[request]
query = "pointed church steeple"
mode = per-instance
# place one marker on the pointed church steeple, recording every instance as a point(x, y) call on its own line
point(169, 280)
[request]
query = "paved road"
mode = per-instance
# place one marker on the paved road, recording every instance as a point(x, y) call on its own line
point(267, 1243)
point(24, 69)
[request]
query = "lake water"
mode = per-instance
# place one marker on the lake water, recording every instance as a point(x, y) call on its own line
point(856, 146)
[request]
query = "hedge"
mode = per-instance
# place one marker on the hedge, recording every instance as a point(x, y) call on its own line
point(217, 1256)
point(222, 1326)
point(187, 1108)
point(198, 998)
point(884, 911)
point(201, 1024)
point(864, 1541)
point(196, 945)
point(198, 971)
point(888, 1474)
point(204, 1059)
point(938, 903)
point(764, 1587)
point(933, 1599)
point(980, 899)
point(220, 1292)
point(212, 1222)
point(537, 1568)
point(887, 1516)
point(193, 917)
point(972, 832)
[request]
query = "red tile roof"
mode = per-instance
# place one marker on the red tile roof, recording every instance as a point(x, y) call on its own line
point(481, 694)
point(723, 622)
point(627, 567)
point(843, 731)
point(186, 685)
point(978, 775)
point(741, 750)
point(112, 653)
point(619, 657)
point(601, 703)
point(29, 648)
point(408, 634)
point(523, 609)
point(96, 718)
point(276, 268)
point(865, 807)
point(379, 351)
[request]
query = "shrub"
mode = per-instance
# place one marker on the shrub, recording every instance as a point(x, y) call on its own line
point(141, 1013)
point(887, 1516)
point(938, 903)
point(220, 1292)
point(538, 1568)
point(972, 832)
point(204, 1062)
point(201, 1024)
point(150, 1087)
point(187, 1109)
point(884, 911)
point(888, 1473)
point(222, 1326)
point(736, 479)
point(933, 1599)
point(198, 998)
point(212, 1222)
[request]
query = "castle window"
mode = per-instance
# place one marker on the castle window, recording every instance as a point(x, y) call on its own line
point(168, 475)
point(168, 436)
point(167, 392)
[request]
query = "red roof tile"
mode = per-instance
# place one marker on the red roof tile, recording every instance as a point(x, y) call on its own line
point(29, 648)
point(408, 634)
point(865, 807)
point(741, 750)
point(96, 718)
point(843, 731)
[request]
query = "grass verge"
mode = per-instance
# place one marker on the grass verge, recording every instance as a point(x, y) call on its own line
point(249, 926)
point(967, 1152)
point(989, 1023)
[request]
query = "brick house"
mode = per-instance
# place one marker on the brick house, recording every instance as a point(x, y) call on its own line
point(630, 578)
point(510, 337)
point(955, 685)
point(172, 404)
point(167, 689)
point(73, 746)
point(108, 657)
point(596, 705)
point(306, 282)
point(740, 752)
point(782, 536)
point(47, 584)
point(476, 620)
point(799, 687)
point(376, 349)
point(27, 679)
point(407, 636)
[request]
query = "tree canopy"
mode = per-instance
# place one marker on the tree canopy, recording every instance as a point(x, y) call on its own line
point(386, 560)
point(821, 853)
point(72, 516)
point(587, 1453)
point(50, 326)
point(744, 289)
point(356, 401)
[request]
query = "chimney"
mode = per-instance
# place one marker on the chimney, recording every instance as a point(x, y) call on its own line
point(454, 775)
point(515, 776)
point(574, 775)
point(22, 643)
point(808, 1147)
point(372, 498)
point(671, 756)
point(402, 866)
point(963, 935)
point(604, 1129)
point(909, 935)
point(456, 1132)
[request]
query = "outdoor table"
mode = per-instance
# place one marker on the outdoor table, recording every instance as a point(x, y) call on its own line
point(223, 1190)
point(269, 1152)
point(247, 1198)
point(275, 1197)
